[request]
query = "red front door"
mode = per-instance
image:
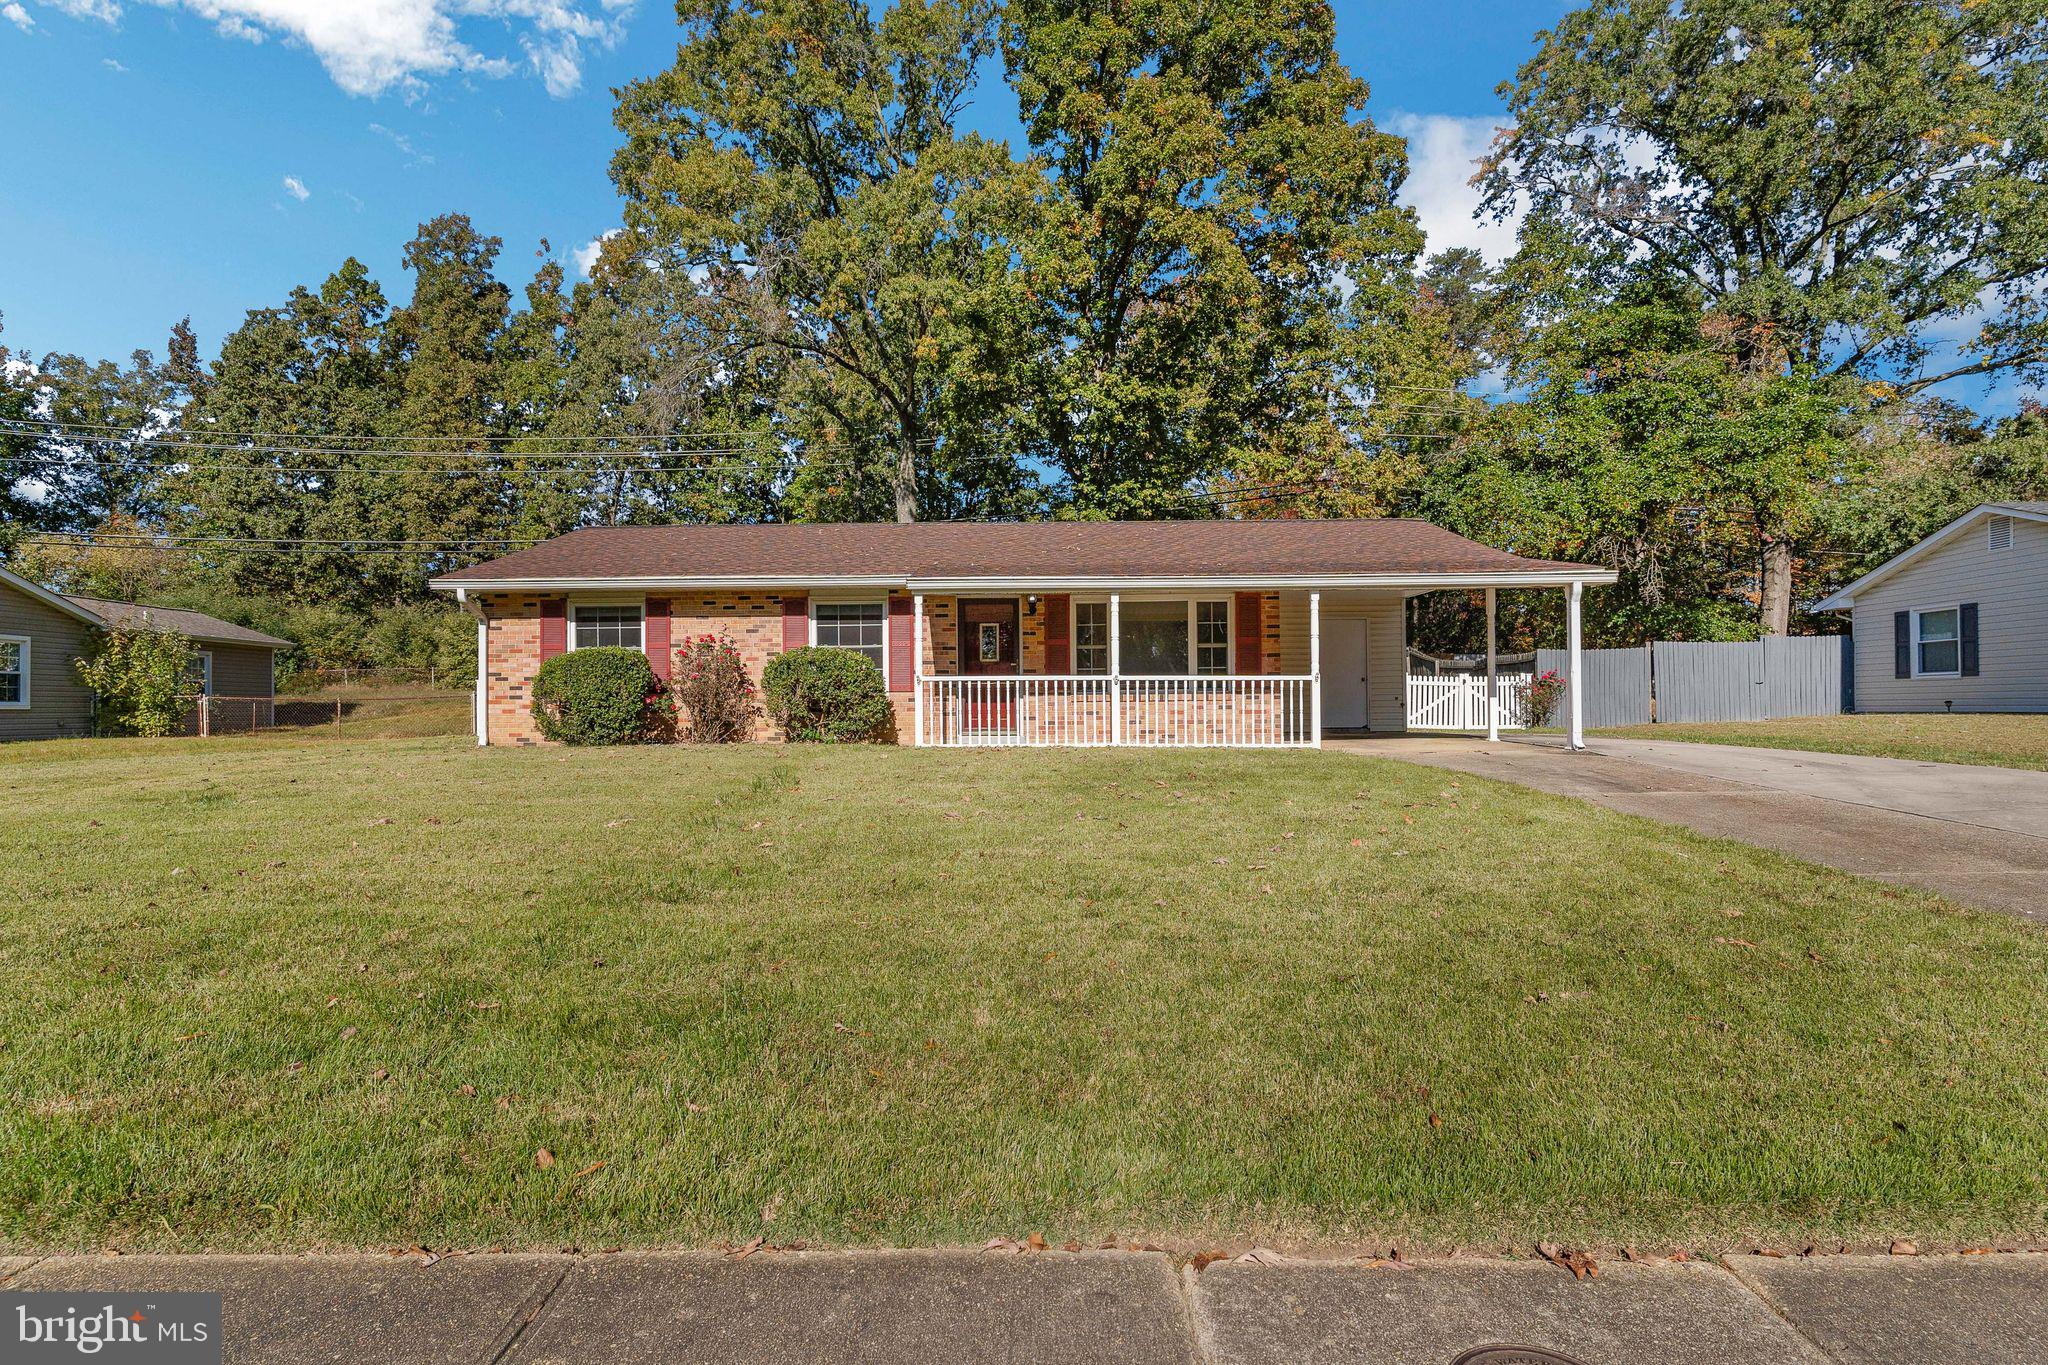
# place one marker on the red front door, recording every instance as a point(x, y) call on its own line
point(988, 649)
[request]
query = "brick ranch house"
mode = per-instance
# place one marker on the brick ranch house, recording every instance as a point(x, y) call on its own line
point(1201, 633)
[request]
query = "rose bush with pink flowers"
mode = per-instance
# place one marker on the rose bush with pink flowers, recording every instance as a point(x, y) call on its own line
point(715, 691)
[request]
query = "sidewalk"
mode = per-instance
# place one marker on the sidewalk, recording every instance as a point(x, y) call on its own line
point(971, 1306)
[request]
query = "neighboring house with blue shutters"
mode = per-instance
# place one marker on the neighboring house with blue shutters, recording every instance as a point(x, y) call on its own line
point(1960, 621)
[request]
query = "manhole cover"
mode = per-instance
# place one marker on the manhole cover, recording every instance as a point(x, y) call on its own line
point(1513, 1355)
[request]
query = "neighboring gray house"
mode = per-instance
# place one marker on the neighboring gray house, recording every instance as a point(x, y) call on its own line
point(1960, 621)
point(42, 633)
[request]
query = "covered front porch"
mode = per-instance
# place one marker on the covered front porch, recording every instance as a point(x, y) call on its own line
point(1195, 665)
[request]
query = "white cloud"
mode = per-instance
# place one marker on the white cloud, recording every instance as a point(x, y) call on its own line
point(296, 188)
point(17, 16)
point(1443, 156)
point(403, 143)
point(370, 47)
point(587, 254)
point(110, 64)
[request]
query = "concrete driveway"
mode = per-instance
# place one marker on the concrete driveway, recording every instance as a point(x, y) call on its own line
point(1976, 835)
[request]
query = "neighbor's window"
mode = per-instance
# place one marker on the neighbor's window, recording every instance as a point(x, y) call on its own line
point(1212, 637)
point(14, 672)
point(595, 627)
point(1091, 637)
point(851, 625)
point(1939, 647)
point(199, 674)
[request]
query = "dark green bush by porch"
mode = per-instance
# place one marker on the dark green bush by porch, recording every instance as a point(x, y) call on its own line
point(827, 695)
point(597, 696)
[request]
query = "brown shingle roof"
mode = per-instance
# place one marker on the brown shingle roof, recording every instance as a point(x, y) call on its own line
point(195, 624)
point(1004, 550)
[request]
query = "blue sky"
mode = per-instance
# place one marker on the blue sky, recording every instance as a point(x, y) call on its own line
point(174, 157)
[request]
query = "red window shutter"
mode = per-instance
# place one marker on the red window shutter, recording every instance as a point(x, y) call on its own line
point(1251, 633)
point(1059, 634)
point(902, 664)
point(656, 635)
point(796, 623)
point(554, 628)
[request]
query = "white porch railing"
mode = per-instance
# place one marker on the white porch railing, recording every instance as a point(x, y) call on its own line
point(1457, 701)
point(1236, 712)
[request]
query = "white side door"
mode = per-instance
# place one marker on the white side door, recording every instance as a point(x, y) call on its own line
point(1344, 673)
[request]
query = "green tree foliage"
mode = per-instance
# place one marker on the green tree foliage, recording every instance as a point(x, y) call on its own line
point(139, 679)
point(800, 161)
point(1219, 240)
point(1838, 184)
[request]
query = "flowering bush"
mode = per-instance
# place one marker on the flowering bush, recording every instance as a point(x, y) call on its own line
point(1539, 701)
point(716, 694)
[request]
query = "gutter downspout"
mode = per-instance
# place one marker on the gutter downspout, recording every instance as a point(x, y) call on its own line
point(480, 707)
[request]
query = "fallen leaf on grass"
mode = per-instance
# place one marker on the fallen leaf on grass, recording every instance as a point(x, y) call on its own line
point(592, 1169)
point(1002, 1244)
point(771, 1208)
point(1902, 1247)
point(381, 820)
point(749, 1249)
point(1734, 942)
point(380, 1074)
point(1036, 1241)
point(544, 1159)
point(1202, 1260)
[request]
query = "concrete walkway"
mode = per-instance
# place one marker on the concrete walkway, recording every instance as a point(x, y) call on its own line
point(969, 1307)
point(1976, 835)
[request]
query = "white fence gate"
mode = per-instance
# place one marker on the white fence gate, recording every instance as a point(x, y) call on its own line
point(1457, 701)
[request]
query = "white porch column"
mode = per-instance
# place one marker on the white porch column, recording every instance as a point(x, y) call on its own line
point(917, 663)
point(1492, 710)
point(1116, 669)
point(480, 708)
point(1315, 668)
point(1576, 733)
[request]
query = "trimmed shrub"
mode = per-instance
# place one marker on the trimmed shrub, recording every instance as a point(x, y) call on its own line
point(716, 694)
point(827, 695)
point(600, 696)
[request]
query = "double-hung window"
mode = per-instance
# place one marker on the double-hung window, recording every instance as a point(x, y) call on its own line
point(1091, 638)
point(199, 673)
point(605, 627)
point(851, 625)
point(14, 672)
point(1938, 643)
point(1212, 637)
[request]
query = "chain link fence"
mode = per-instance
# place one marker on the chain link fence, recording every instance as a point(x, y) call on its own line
point(407, 714)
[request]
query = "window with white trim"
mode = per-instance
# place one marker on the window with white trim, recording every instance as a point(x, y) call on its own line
point(1166, 638)
point(1212, 637)
point(605, 627)
point(1091, 638)
point(199, 673)
point(1938, 643)
point(851, 625)
point(14, 672)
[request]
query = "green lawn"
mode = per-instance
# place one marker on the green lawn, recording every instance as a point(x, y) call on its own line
point(2004, 741)
point(279, 994)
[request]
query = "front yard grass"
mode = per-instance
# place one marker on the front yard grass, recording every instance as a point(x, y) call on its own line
point(277, 994)
point(1998, 741)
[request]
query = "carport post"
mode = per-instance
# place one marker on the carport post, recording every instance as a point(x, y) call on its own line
point(1315, 668)
point(1492, 707)
point(1576, 735)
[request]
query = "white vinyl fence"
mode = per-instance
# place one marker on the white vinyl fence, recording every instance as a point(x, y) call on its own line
point(1457, 701)
point(1264, 712)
